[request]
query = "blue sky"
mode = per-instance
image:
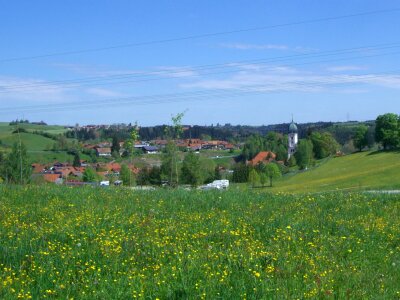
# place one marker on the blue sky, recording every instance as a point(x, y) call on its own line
point(327, 70)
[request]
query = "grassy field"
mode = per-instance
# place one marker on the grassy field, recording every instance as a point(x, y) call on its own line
point(36, 145)
point(53, 156)
point(80, 243)
point(365, 170)
point(33, 142)
point(55, 129)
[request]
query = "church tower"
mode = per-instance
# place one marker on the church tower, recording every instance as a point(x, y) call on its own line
point(292, 139)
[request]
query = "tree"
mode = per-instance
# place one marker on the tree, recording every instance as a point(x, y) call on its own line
point(205, 137)
point(90, 175)
point(281, 152)
point(143, 177)
point(115, 147)
point(61, 143)
point(360, 138)
point(304, 153)
point(240, 173)
point(324, 144)
point(77, 160)
point(254, 178)
point(126, 176)
point(387, 130)
point(272, 170)
point(17, 168)
point(129, 144)
point(263, 179)
point(217, 173)
point(207, 169)
point(253, 145)
point(155, 175)
point(292, 161)
point(169, 163)
point(129, 148)
point(191, 169)
point(170, 157)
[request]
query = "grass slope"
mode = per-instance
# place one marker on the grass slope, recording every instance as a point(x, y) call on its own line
point(365, 170)
point(55, 129)
point(33, 142)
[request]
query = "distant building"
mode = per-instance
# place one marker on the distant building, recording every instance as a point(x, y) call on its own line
point(150, 149)
point(103, 151)
point(293, 139)
point(262, 157)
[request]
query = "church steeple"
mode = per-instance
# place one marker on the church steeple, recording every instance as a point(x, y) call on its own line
point(292, 138)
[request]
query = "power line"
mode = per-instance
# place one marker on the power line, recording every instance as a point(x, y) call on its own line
point(91, 81)
point(212, 66)
point(197, 95)
point(190, 37)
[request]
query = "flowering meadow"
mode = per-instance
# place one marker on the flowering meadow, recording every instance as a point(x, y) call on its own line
point(88, 243)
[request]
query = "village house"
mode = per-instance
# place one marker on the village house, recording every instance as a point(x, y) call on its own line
point(262, 157)
point(53, 178)
point(150, 149)
point(103, 152)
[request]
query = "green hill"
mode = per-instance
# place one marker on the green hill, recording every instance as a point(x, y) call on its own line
point(365, 170)
point(36, 144)
point(33, 142)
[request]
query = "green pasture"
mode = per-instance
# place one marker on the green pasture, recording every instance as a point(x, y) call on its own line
point(116, 243)
point(365, 170)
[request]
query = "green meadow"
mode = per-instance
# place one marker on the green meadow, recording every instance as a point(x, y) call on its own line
point(364, 170)
point(33, 142)
point(37, 145)
point(88, 243)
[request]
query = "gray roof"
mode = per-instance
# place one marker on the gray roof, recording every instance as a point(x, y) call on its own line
point(150, 148)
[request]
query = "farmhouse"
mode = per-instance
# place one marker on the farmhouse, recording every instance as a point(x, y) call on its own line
point(113, 167)
point(150, 149)
point(262, 157)
point(53, 178)
point(103, 152)
point(38, 168)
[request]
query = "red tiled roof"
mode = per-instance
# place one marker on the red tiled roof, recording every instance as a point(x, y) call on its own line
point(264, 156)
point(37, 168)
point(51, 177)
point(116, 167)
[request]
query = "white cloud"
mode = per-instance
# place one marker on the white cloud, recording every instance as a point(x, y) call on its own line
point(94, 70)
point(101, 92)
point(29, 89)
point(346, 68)
point(241, 46)
point(277, 79)
point(173, 71)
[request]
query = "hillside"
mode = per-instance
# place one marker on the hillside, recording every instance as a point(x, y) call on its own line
point(33, 142)
point(366, 170)
point(36, 144)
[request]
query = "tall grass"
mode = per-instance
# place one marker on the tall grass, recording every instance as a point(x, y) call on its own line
point(59, 242)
